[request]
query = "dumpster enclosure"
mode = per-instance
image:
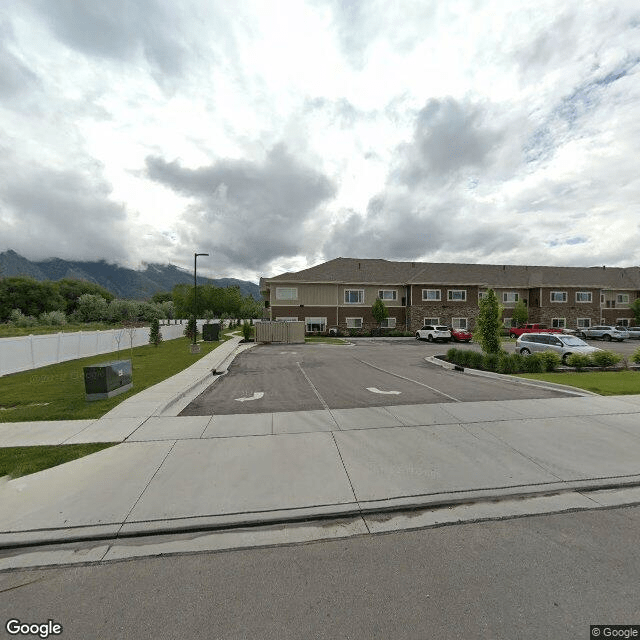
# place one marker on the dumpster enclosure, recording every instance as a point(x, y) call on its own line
point(289, 332)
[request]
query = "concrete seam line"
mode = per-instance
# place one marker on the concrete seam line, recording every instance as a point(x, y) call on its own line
point(145, 488)
point(315, 390)
point(355, 497)
point(510, 446)
point(502, 376)
point(397, 375)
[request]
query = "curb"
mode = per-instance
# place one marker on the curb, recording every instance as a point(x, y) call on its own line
point(232, 522)
point(501, 376)
point(203, 381)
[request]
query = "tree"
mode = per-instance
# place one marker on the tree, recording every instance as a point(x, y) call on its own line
point(520, 313)
point(379, 311)
point(489, 324)
point(71, 290)
point(635, 307)
point(91, 308)
point(163, 296)
point(191, 328)
point(155, 337)
point(31, 296)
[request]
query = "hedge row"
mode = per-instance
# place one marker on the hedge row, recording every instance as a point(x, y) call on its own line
point(504, 362)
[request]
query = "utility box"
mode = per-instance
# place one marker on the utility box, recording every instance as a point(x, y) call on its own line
point(107, 379)
point(211, 332)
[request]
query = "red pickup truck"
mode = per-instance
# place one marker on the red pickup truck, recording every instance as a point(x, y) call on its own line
point(516, 332)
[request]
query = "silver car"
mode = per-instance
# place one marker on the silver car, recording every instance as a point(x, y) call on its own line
point(634, 332)
point(603, 332)
point(561, 344)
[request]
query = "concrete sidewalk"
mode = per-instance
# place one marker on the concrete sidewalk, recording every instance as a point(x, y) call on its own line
point(179, 474)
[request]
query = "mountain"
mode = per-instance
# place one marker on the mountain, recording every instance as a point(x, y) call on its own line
point(122, 282)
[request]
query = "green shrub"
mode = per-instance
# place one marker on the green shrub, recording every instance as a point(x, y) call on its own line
point(605, 358)
point(636, 356)
point(551, 360)
point(20, 320)
point(475, 359)
point(579, 361)
point(509, 362)
point(247, 331)
point(191, 328)
point(452, 355)
point(54, 318)
point(534, 363)
point(490, 361)
point(155, 337)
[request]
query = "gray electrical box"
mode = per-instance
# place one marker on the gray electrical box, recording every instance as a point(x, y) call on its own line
point(107, 379)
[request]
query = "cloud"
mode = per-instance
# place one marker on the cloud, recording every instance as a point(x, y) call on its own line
point(16, 78)
point(118, 30)
point(448, 136)
point(249, 212)
point(61, 213)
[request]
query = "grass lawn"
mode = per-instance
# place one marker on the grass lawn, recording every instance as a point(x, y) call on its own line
point(56, 392)
point(20, 461)
point(326, 340)
point(606, 383)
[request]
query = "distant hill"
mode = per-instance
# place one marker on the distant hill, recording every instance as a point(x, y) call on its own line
point(122, 282)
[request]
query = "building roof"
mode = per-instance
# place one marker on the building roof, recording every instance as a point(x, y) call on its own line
point(378, 271)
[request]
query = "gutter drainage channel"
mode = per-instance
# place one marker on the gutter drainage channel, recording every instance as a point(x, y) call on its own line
point(486, 496)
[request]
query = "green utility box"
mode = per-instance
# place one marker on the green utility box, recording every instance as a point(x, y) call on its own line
point(107, 379)
point(211, 332)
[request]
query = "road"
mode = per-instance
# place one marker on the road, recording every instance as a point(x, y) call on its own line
point(538, 577)
point(270, 378)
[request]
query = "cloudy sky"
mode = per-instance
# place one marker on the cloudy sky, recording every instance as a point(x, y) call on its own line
point(277, 135)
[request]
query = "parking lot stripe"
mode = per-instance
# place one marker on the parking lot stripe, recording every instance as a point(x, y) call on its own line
point(397, 375)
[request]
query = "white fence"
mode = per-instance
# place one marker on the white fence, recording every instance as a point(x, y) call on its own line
point(31, 352)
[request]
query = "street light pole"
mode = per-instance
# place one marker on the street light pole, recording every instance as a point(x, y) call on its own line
point(195, 298)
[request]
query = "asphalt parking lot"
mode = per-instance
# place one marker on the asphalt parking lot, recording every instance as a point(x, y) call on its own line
point(369, 373)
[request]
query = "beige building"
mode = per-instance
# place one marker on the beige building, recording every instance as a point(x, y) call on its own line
point(340, 293)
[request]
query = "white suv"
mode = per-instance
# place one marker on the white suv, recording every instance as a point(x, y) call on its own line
point(603, 332)
point(431, 333)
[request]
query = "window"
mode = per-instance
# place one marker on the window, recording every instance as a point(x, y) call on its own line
point(459, 323)
point(622, 298)
point(507, 322)
point(389, 323)
point(510, 296)
point(558, 296)
point(287, 319)
point(482, 294)
point(431, 321)
point(622, 322)
point(354, 323)
point(388, 294)
point(431, 294)
point(584, 323)
point(583, 296)
point(457, 295)
point(315, 324)
point(558, 323)
point(354, 296)
point(286, 293)
point(602, 298)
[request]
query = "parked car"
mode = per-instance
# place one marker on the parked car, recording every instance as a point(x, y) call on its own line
point(515, 332)
point(460, 335)
point(563, 345)
point(634, 332)
point(624, 330)
point(433, 333)
point(602, 332)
